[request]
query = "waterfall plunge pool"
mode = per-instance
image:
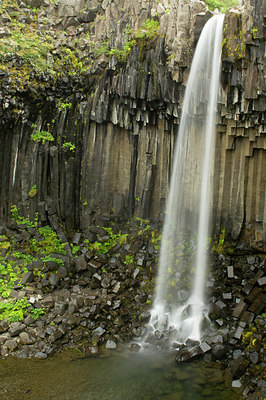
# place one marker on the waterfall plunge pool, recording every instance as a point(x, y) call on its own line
point(112, 376)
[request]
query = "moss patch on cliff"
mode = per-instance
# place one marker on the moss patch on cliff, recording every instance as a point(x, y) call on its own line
point(148, 31)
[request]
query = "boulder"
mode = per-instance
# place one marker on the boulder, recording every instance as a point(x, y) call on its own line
point(187, 353)
point(219, 351)
point(11, 344)
point(16, 328)
point(110, 344)
point(135, 347)
point(238, 366)
point(80, 263)
point(25, 339)
point(3, 325)
point(53, 279)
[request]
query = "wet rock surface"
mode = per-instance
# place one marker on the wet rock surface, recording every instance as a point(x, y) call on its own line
point(234, 336)
point(103, 297)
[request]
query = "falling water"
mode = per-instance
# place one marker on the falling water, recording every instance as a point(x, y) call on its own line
point(180, 304)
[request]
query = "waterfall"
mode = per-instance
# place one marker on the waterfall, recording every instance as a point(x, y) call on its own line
point(180, 304)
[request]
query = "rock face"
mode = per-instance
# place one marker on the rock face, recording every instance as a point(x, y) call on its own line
point(122, 116)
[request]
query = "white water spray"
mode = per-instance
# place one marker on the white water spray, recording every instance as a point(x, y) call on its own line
point(184, 256)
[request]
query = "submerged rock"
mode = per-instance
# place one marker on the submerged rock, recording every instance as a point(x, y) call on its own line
point(40, 354)
point(135, 347)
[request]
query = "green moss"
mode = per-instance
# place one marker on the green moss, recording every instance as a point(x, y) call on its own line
point(50, 243)
point(33, 191)
point(254, 32)
point(26, 43)
point(234, 46)
point(148, 31)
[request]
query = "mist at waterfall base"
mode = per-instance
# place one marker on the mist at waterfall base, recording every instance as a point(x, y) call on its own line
point(112, 376)
point(180, 306)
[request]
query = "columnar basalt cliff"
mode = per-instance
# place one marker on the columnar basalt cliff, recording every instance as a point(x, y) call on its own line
point(112, 100)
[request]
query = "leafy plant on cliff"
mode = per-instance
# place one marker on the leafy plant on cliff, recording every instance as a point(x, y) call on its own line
point(42, 136)
point(69, 146)
point(63, 106)
point(148, 30)
point(222, 5)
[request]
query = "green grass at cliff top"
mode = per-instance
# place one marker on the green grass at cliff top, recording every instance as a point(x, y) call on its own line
point(222, 5)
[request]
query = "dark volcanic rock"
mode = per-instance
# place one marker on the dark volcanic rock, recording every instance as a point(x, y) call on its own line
point(188, 353)
point(238, 366)
point(219, 351)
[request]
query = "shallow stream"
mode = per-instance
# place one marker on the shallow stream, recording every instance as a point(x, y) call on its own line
point(112, 376)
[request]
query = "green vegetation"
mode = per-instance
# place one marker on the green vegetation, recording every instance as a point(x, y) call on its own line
point(219, 245)
point(69, 146)
point(32, 47)
point(74, 249)
point(14, 266)
point(49, 244)
point(26, 44)
point(48, 258)
point(10, 308)
point(253, 337)
point(222, 5)
point(68, 61)
point(63, 106)
point(137, 230)
point(21, 220)
point(255, 342)
point(129, 259)
point(254, 32)
point(33, 191)
point(42, 136)
point(148, 31)
point(113, 240)
point(156, 239)
point(15, 309)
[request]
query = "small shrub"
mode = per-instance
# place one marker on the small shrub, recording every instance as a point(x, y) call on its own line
point(42, 136)
point(69, 146)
